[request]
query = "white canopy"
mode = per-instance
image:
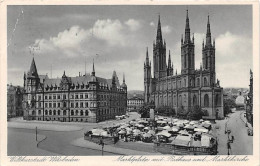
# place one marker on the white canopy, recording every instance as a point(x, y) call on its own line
point(201, 129)
point(122, 132)
point(168, 128)
point(151, 132)
point(164, 133)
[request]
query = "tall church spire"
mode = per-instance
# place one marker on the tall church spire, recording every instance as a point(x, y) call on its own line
point(93, 69)
point(159, 32)
point(208, 35)
point(169, 60)
point(147, 57)
point(187, 29)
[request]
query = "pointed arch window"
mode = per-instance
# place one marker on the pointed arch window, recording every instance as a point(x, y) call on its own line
point(194, 100)
point(198, 81)
point(206, 100)
point(205, 81)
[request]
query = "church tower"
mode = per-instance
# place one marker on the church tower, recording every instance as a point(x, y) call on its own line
point(159, 54)
point(187, 50)
point(147, 78)
point(208, 55)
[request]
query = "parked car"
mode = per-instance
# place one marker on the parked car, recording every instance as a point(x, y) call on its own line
point(249, 132)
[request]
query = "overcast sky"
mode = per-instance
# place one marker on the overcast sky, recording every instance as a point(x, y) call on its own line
point(117, 37)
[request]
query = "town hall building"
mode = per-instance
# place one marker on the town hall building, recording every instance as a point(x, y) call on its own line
point(192, 87)
point(84, 98)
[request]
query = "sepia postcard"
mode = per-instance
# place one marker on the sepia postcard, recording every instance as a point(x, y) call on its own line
point(129, 82)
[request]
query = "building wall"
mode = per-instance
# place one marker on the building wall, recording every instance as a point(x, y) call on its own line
point(14, 101)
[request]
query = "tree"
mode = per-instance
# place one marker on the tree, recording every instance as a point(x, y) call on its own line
point(182, 112)
point(196, 113)
point(165, 111)
point(145, 110)
point(228, 104)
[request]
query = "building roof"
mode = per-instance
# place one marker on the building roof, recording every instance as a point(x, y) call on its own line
point(33, 70)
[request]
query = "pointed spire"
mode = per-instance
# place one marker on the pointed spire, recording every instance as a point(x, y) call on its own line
point(181, 38)
point(187, 29)
point(64, 75)
point(147, 57)
point(93, 69)
point(33, 70)
point(159, 32)
point(124, 78)
point(169, 60)
point(208, 35)
point(193, 38)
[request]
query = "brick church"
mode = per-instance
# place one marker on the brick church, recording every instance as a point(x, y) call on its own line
point(192, 87)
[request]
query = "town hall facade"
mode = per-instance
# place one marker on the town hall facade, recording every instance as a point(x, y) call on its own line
point(192, 87)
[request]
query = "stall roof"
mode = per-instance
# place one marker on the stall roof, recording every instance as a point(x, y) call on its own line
point(182, 140)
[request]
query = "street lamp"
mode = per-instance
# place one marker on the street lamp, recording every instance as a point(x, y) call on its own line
point(102, 145)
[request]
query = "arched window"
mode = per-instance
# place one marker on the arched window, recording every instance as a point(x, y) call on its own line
point(206, 100)
point(205, 81)
point(50, 113)
point(33, 112)
point(198, 81)
point(39, 112)
point(64, 112)
point(72, 112)
point(217, 100)
point(194, 100)
point(180, 101)
point(46, 112)
point(81, 113)
point(184, 83)
point(54, 112)
point(64, 104)
point(191, 83)
point(58, 112)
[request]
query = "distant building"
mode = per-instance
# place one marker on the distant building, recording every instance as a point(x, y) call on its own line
point(134, 103)
point(240, 101)
point(14, 101)
point(84, 98)
point(193, 87)
point(249, 101)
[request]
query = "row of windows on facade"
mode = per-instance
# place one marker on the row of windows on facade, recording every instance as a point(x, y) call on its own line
point(135, 102)
point(77, 112)
point(81, 96)
point(76, 87)
point(194, 100)
point(180, 85)
point(77, 105)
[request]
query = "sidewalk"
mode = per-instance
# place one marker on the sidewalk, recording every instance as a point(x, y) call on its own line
point(108, 148)
point(245, 121)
